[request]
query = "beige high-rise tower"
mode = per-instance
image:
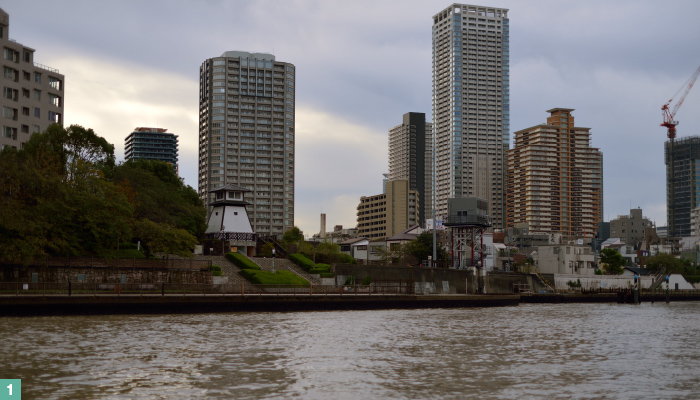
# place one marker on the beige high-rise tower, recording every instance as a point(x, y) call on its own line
point(32, 94)
point(246, 134)
point(471, 105)
point(555, 180)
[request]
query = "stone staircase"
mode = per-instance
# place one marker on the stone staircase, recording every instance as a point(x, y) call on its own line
point(286, 265)
point(228, 269)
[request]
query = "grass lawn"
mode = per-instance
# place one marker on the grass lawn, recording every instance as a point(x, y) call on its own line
point(277, 278)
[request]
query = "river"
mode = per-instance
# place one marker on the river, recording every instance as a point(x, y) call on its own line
point(581, 351)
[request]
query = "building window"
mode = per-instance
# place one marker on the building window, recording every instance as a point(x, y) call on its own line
point(54, 117)
point(55, 100)
point(37, 95)
point(10, 73)
point(37, 112)
point(27, 56)
point(36, 129)
point(11, 55)
point(10, 113)
point(55, 83)
point(9, 132)
point(37, 77)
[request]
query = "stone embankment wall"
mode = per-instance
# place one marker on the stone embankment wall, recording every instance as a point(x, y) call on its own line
point(436, 280)
point(102, 275)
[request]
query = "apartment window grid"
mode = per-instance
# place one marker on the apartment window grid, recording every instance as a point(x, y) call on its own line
point(32, 102)
point(247, 128)
point(471, 105)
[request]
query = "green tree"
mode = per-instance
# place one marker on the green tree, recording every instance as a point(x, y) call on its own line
point(422, 247)
point(667, 261)
point(293, 235)
point(612, 261)
point(163, 238)
point(161, 196)
point(52, 208)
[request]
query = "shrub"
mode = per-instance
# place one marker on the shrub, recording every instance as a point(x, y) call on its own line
point(320, 269)
point(302, 261)
point(216, 270)
point(127, 246)
point(125, 253)
point(327, 275)
point(366, 280)
point(692, 278)
point(347, 259)
point(276, 278)
point(241, 261)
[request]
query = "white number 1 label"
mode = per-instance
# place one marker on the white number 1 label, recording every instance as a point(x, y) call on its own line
point(14, 389)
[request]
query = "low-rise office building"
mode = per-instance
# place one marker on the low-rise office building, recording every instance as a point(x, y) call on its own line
point(565, 259)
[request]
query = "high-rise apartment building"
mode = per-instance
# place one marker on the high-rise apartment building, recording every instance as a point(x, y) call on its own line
point(471, 105)
point(32, 94)
point(387, 214)
point(409, 147)
point(555, 180)
point(683, 194)
point(151, 144)
point(246, 134)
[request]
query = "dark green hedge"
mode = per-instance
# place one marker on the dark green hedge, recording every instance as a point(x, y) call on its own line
point(320, 269)
point(216, 270)
point(302, 261)
point(241, 261)
point(692, 278)
point(327, 275)
point(277, 278)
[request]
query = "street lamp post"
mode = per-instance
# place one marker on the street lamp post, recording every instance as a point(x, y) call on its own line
point(273, 260)
point(223, 240)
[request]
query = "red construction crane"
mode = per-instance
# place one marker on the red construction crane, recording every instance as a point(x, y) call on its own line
point(668, 115)
point(670, 124)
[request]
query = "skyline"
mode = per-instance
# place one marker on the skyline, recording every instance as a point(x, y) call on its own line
point(361, 66)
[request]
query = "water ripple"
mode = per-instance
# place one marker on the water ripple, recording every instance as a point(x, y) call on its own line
point(576, 351)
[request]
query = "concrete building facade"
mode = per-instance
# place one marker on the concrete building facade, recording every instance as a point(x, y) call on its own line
point(683, 194)
point(408, 148)
point(471, 105)
point(554, 178)
point(246, 134)
point(387, 214)
point(565, 259)
point(151, 144)
point(630, 228)
point(32, 94)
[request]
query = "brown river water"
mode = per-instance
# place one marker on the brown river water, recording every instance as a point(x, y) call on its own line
point(578, 351)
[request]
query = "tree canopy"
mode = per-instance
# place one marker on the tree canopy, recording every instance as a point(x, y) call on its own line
point(612, 261)
point(62, 195)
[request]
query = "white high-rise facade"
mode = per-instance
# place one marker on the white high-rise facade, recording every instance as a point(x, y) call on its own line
point(471, 116)
point(246, 134)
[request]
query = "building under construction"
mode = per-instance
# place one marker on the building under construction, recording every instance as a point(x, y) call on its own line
point(682, 189)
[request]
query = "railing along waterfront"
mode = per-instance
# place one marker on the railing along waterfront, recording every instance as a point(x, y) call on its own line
point(166, 289)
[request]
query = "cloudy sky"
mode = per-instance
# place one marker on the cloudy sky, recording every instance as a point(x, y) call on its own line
point(361, 65)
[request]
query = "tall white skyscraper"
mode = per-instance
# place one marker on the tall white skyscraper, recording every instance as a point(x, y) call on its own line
point(471, 117)
point(246, 134)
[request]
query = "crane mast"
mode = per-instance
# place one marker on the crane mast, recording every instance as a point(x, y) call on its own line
point(670, 124)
